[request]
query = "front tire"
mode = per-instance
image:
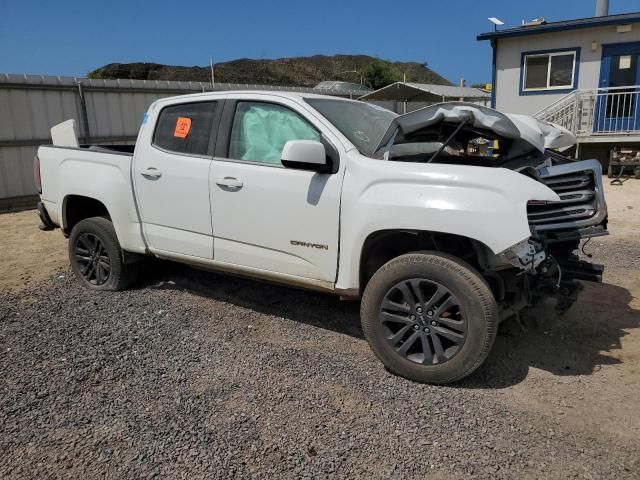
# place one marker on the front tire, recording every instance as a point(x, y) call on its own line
point(429, 317)
point(96, 257)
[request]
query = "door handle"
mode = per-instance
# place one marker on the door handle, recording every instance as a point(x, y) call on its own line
point(229, 182)
point(151, 173)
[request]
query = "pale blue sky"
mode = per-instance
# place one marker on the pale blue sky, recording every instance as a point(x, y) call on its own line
point(68, 37)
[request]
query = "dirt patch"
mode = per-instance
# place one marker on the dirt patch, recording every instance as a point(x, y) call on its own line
point(583, 368)
point(623, 203)
point(27, 254)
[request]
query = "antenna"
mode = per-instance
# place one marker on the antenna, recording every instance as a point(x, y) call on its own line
point(213, 78)
point(496, 22)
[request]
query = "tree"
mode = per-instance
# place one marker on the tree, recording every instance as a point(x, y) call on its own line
point(378, 74)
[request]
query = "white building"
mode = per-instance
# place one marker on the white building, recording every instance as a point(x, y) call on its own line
point(583, 74)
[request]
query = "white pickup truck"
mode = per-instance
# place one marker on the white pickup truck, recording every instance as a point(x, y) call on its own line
point(444, 221)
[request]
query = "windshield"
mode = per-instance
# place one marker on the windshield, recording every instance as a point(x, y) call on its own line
point(362, 123)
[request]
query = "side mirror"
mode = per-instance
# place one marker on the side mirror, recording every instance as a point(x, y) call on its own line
point(306, 155)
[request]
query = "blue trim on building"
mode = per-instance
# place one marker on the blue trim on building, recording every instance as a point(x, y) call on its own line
point(494, 72)
point(562, 26)
point(609, 49)
point(554, 91)
point(621, 48)
point(603, 117)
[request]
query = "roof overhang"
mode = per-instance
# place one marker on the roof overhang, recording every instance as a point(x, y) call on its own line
point(421, 92)
point(590, 22)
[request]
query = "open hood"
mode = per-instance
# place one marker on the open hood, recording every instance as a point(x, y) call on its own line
point(525, 132)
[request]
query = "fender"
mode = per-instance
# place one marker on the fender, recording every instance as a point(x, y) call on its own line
point(106, 178)
point(482, 203)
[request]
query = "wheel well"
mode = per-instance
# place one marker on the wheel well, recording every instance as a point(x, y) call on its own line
point(382, 246)
point(78, 207)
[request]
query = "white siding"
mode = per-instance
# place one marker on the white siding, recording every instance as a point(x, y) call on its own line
point(509, 55)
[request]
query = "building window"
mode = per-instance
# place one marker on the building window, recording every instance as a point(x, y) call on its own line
point(549, 71)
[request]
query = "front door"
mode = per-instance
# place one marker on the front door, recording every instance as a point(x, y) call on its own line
point(172, 181)
point(617, 103)
point(266, 216)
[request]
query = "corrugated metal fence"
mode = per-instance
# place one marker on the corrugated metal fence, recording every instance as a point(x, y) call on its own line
point(106, 111)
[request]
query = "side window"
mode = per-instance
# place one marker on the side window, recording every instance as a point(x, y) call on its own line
point(260, 131)
point(185, 128)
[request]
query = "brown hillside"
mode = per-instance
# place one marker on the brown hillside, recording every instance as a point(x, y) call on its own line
point(300, 71)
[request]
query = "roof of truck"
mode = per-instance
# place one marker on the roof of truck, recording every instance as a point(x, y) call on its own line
point(259, 93)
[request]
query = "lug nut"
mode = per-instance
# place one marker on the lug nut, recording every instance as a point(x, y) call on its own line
point(430, 313)
point(426, 330)
point(419, 309)
point(434, 323)
point(416, 327)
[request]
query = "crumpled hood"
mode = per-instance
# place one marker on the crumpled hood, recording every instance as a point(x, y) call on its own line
point(525, 131)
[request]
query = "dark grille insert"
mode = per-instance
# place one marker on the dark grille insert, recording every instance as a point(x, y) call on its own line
point(577, 192)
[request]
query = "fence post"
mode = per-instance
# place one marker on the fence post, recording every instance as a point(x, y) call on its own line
point(83, 114)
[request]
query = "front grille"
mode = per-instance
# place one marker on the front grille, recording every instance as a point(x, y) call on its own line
point(581, 204)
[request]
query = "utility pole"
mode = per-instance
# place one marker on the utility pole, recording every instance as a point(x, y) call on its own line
point(213, 78)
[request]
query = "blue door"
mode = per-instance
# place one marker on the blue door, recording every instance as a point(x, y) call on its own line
point(617, 106)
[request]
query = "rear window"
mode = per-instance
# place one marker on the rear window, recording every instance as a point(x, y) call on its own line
point(185, 128)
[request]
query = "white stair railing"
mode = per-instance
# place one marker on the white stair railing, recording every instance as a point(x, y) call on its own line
point(562, 112)
point(601, 111)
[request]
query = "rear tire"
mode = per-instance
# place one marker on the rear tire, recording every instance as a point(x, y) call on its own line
point(96, 257)
point(429, 317)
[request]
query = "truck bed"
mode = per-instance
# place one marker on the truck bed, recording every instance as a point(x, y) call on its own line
point(99, 172)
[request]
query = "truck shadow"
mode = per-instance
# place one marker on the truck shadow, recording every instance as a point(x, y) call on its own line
point(312, 308)
point(578, 343)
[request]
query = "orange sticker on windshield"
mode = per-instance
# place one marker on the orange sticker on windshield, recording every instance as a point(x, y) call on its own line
point(183, 125)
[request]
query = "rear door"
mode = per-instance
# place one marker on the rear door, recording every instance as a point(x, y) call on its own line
point(266, 216)
point(172, 180)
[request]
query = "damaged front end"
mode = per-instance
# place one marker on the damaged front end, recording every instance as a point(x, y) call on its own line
point(559, 227)
point(547, 263)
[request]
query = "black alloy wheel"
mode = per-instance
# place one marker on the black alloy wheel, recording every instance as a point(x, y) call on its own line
point(96, 256)
point(93, 259)
point(423, 321)
point(429, 316)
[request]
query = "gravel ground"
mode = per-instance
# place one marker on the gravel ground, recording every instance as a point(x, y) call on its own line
point(195, 375)
point(198, 375)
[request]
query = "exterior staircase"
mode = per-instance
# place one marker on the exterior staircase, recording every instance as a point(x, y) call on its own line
point(602, 115)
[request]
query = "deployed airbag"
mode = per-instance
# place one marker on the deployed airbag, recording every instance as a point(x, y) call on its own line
point(260, 131)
